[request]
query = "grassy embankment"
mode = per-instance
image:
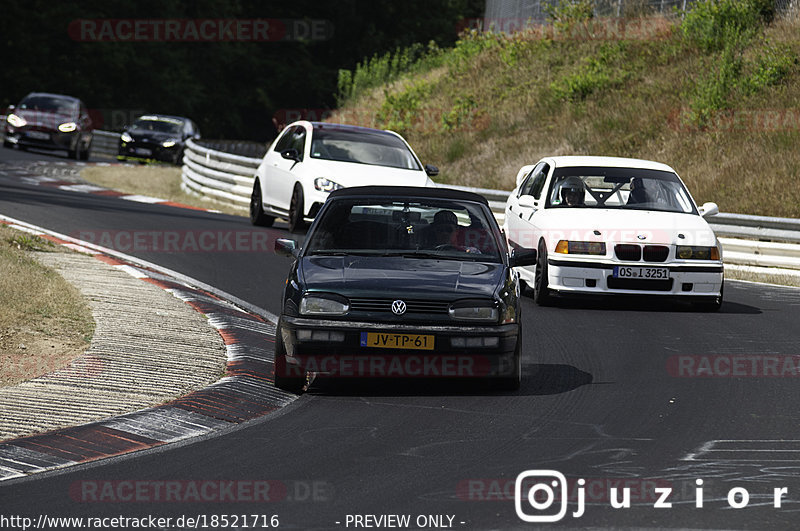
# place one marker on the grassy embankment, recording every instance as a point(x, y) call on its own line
point(44, 321)
point(716, 95)
point(156, 180)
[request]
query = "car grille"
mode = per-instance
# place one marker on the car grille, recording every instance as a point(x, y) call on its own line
point(385, 305)
point(630, 252)
point(655, 253)
point(639, 284)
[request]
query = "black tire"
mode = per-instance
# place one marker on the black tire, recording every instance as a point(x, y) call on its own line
point(711, 304)
point(296, 222)
point(178, 160)
point(541, 292)
point(84, 155)
point(7, 144)
point(257, 216)
point(291, 384)
point(513, 382)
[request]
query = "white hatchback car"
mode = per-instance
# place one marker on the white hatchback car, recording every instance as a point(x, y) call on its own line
point(606, 225)
point(309, 160)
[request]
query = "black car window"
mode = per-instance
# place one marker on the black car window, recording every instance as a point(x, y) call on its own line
point(284, 141)
point(362, 146)
point(48, 104)
point(158, 125)
point(298, 141)
point(445, 229)
point(534, 183)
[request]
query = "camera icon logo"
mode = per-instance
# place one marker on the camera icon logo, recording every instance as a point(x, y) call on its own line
point(535, 489)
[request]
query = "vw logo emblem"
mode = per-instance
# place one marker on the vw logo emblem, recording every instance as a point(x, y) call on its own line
point(398, 307)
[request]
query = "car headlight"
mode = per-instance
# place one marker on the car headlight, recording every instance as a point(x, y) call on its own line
point(690, 252)
point(168, 143)
point(474, 311)
point(326, 185)
point(126, 137)
point(16, 121)
point(324, 304)
point(570, 247)
point(67, 127)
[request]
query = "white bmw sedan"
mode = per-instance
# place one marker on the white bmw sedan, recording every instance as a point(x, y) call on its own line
point(606, 225)
point(309, 160)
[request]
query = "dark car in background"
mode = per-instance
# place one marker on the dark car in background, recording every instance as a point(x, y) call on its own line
point(157, 137)
point(50, 121)
point(399, 282)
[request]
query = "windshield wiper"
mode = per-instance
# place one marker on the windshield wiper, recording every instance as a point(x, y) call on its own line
point(343, 252)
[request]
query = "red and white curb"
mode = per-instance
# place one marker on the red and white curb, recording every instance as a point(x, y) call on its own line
point(26, 175)
point(247, 392)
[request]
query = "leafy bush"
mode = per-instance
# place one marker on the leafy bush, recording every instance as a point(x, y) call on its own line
point(710, 24)
point(770, 69)
point(399, 110)
point(566, 14)
point(593, 75)
point(378, 70)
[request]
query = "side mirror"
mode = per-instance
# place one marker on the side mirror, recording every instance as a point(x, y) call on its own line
point(523, 257)
point(709, 209)
point(285, 247)
point(528, 201)
point(431, 170)
point(291, 154)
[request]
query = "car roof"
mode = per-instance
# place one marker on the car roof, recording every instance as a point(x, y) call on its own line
point(51, 95)
point(348, 127)
point(406, 192)
point(610, 162)
point(154, 116)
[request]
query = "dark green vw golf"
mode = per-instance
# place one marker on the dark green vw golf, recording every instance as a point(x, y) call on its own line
point(397, 282)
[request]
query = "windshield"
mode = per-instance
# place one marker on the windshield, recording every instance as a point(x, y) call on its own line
point(619, 188)
point(52, 104)
point(432, 228)
point(158, 125)
point(363, 147)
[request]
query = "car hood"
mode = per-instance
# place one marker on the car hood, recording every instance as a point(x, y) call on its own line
point(378, 277)
point(355, 174)
point(50, 120)
point(155, 136)
point(635, 226)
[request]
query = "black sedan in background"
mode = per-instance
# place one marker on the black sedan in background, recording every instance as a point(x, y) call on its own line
point(400, 282)
point(157, 137)
point(52, 122)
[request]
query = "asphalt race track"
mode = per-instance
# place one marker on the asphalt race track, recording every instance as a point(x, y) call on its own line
point(611, 394)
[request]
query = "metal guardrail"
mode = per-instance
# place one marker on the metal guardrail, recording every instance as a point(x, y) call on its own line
point(104, 143)
point(230, 178)
point(225, 177)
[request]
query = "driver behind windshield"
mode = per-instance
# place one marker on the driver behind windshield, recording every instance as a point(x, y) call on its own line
point(573, 191)
point(440, 232)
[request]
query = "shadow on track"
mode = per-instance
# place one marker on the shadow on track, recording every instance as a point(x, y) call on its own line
point(537, 380)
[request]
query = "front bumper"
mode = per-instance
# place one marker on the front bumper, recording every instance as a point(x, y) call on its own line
point(340, 349)
point(148, 152)
point(40, 138)
point(587, 277)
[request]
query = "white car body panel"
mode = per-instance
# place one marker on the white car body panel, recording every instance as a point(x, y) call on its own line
point(278, 176)
point(535, 225)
